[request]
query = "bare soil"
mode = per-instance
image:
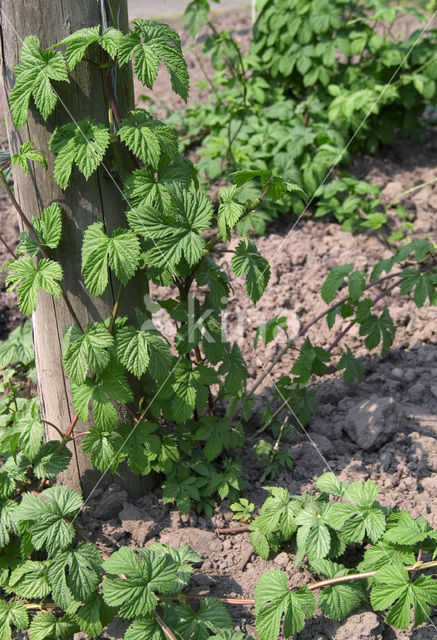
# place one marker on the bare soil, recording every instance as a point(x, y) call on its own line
point(399, 392)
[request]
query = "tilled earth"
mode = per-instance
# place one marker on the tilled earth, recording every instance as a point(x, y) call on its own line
point(384, 429)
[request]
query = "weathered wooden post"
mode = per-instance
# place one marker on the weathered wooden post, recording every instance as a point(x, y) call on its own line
point(83, 202)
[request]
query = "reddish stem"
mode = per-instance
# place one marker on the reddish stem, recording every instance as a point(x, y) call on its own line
point(71, 426)
point(240, 529)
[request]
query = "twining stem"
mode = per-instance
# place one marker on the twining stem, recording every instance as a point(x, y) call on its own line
point(164, 627)
point(411, 190)
point(331, 347)
point(227, 530)
point(275, 450)
point(57, 429)
point(304, 330)
point(69, 431)
point(321, 583)
point(8, 248)
point(115, 308)
point(44, 253)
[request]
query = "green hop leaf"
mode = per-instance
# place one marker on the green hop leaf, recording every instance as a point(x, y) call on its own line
point(247, 261)
point(28, 152)
point(30, 279)
point(148, 138)
point(33, 78)
point(274, 602)
point(149, 44)
point(121, 252)
point(82, 143)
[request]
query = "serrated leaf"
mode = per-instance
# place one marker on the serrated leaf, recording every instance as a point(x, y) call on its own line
point(329, 483)
point(270, 329)
point(30, 580)
point(77, 570)
point(141, 445)
point(86, 349)
point(211, 616)
point(46, 625)
point(121, 252)
point(247, 261)
point(340, 600)
point(83, 143)
point(94, 615)
point(104, 447)
point(30, 279)
point(148, 187)
point(109, 385)
point(375, 329)
point(424, 285)
point(44, 516)
point(135, 349)
point(229, 211)
point(408, 531)
point(12, 613)
point(49, 461)
point(384, 553)
point(13, 470)
point(393, 587)
point(211, 275)
point(149, 44)
point(78, 42)
point(144, 628)
point(148, 138)
point(28, 152)
point(49, 225)
point(356, 284)
point(175, 231)
point(334, 281)
point(260, 543)
point(353, 368)
point(31, 433)
point(18, 347)
point(313, 536)
point(33, 78)
point(235, 368)
point(241, 177)
point(311, 361)
point(146, 573)
point(273, 600)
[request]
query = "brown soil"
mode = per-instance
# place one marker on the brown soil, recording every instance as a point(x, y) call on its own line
point(404, 461)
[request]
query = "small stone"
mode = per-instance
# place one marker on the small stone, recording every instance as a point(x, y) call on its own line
point(433, 389)
point(397, 373)
point(323, 444)
point(429, 485)
point(409, 376)
point(417, 392)
point(137, 523)
point(282, 559)
point(372, 422)
point(206, 543)
point(110, 503)
point(391, 190)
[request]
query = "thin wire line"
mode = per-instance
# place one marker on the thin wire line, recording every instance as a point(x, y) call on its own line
point(131, 208)
point(124, 442)
point(269, 262)
point(378, 542)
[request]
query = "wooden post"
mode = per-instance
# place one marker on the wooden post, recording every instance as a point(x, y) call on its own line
point(83, 202)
